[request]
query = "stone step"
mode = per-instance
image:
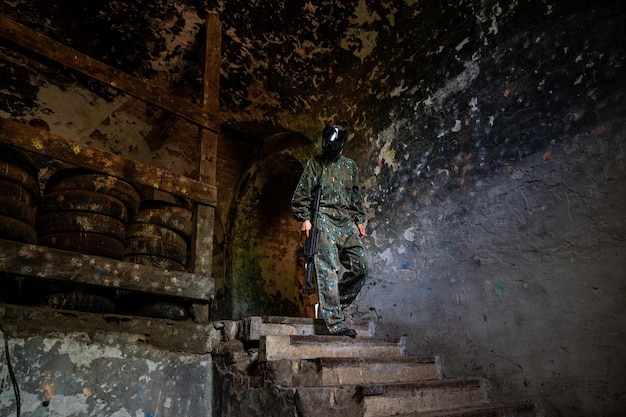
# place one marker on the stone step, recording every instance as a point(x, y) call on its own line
point(352, 371)
point(525, 409)
point(326, 401)
point(255, 327)
point(419, 397)
point(277, 347)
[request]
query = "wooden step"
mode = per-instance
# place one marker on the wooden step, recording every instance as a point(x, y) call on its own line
point(352, 371)
point(253, 328)
point(525, 409)
point(277, 347)
point(419, 397)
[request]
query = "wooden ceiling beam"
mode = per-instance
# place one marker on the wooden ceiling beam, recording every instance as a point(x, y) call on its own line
point(68, 57)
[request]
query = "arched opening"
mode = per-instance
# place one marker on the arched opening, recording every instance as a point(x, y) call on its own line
point(262, 234)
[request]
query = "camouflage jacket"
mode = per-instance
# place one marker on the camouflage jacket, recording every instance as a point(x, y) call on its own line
point(341, 198)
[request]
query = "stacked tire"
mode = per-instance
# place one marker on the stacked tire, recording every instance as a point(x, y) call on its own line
point(147, 305)
point(69, 296)
point(19, 195)
point(86, 212)
point(159, 235)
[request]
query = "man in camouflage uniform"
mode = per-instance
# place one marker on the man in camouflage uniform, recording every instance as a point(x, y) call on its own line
point(341, 226)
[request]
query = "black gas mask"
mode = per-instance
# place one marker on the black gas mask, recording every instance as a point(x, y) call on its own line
point(333, 139)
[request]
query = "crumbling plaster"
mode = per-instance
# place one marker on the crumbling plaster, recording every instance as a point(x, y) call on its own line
point(82, 374)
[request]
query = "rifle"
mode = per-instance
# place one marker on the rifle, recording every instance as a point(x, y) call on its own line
point(310, 245)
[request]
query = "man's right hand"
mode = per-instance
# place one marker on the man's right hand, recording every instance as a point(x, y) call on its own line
point(306, 227)
point(362, 232)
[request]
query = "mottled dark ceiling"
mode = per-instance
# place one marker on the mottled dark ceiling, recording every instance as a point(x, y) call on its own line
point(297, 56)
point(435, 73)
point(292, 50)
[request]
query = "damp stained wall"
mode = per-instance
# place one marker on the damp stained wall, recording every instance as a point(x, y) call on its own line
point(82, 374)
point(496, 200)
point(490, 139)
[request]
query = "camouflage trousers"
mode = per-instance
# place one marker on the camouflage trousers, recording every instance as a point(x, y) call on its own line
point(339, 245)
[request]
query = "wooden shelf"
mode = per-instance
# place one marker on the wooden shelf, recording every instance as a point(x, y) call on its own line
point(184, 336)
point(48, 263)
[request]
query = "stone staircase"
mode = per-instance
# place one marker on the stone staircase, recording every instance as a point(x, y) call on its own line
point(284, 367)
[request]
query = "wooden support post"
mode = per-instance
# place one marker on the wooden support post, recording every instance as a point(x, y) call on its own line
point(205, 215)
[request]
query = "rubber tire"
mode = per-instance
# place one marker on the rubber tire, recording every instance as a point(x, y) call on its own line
point(68, 221)
point(12, 207)
point(82, 179)
point(86, 201)
point(12, 229)
point(17, 191)
point(138, 246)
point(150, 231)
point(172, 216)
point(19, 175)
point(79, 301)
point(86, 243)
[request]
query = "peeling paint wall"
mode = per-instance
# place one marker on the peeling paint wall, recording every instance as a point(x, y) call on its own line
point(75, 374)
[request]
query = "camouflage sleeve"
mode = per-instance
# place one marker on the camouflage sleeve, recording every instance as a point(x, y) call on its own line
point(301, 198)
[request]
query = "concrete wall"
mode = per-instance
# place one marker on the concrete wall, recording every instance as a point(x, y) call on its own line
point(496, 193)
point(519, 277)
point(83, 374)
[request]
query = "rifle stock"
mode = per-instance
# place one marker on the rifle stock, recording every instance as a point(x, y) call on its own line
point(310, 246)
